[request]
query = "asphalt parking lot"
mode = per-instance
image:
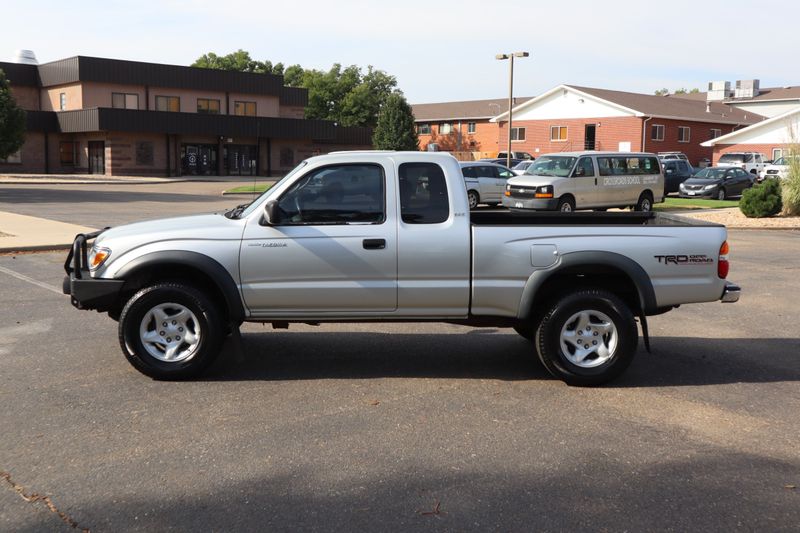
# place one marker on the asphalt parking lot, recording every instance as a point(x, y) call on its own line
point(400, 427)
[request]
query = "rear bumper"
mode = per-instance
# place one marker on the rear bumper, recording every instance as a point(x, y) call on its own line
point(731, 293)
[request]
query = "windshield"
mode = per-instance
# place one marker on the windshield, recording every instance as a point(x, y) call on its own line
point(711, 173)
point(552, 165)
point(786, 160)
point(251, 207)
point(732, 158)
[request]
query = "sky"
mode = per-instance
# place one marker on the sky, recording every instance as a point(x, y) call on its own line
point(439, 51)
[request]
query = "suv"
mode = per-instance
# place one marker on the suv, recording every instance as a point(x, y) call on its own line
point(777, 169)
point(671, 156)
point(676, 171)
point(752, 162)
point(523, 156)
point(485, 182)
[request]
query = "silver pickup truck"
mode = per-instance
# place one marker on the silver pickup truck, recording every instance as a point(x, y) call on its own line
point(388, 236)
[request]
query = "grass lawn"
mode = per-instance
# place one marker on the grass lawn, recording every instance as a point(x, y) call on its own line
point(250, 189)
point(671, 204)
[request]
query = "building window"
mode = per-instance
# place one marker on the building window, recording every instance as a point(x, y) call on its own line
point(14, 158)
point(424, 129)
point(67, 151)
point(715, 132)
point(246, 109)
point(168, 103)
point(518, 134)
point(208, 106)
point(62, 101)
point(445, 128)
point(657, 132)
point(558, 133)
point(684, 134)
point(777, 153)
point(125, 100)
point(470, 127)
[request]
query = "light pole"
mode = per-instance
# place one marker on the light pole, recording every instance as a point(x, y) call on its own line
point(510, 56)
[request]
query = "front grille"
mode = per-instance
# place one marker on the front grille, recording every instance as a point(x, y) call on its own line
point(772, 171)
point(522, 192)
point(693, 187)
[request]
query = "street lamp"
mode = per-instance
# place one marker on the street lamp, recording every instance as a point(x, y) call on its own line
point(510, 56)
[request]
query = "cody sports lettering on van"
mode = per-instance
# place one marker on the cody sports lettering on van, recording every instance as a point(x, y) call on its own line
point(588, 180)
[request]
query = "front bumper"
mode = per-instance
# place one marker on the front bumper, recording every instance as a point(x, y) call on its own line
point(731, 293)
point(698, 194)
point(86, 292)
point(541, 204)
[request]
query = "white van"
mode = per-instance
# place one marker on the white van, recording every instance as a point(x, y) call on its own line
point(588, 180)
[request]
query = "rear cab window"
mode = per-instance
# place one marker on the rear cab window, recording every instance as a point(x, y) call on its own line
point(423, 193)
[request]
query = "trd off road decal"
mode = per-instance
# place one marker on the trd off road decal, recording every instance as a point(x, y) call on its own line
point(701, 259)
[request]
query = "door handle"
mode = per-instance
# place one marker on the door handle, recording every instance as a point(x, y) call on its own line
point(374, 244)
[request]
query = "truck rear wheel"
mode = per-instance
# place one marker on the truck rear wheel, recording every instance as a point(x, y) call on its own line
point(170, 331)
point(587, 338)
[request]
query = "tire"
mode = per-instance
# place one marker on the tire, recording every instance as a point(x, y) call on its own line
point(526, 330)
point(566, 204)
point(617, 333)
point(721, 195)
point(473, 198)
point(187, 313)
point(645, 203)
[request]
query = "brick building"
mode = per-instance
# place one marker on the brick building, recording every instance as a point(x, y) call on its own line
point(461, 126)
point(107, 116)
point(569, 118)
point(773, 137)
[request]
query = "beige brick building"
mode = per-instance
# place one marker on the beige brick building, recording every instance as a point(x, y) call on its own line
point(107, 116)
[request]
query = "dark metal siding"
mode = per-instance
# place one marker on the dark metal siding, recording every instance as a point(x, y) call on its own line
point(60, 72)
point(102, 70)
point(41, 121)
point(21, 75)
point(350, 135)
point(84, 120)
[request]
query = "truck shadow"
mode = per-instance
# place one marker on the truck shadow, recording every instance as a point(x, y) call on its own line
point(492, 354)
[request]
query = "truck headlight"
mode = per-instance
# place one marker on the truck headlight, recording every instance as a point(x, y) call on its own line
point(98, 256)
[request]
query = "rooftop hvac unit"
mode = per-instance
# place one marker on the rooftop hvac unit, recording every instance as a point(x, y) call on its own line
point(746, 88)
point(718, 91)
point(26, 57)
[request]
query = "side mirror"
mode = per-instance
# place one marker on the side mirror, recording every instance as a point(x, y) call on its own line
point(272, 213)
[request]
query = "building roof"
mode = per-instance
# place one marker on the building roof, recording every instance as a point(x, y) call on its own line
point(736, 136)
point(647, 105)
point(765, 94)
point(470, 109)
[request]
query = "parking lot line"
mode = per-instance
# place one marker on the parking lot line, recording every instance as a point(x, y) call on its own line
point(32, 281)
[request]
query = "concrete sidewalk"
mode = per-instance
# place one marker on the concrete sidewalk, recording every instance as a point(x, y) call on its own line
point(21, 233)
point(83, 179)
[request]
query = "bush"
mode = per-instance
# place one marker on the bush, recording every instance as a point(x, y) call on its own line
point(791, 185)
point(763, 200)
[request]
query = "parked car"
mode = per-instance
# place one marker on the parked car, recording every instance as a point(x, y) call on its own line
point(576, 283)
point(521, 167)
point(501, 161)
point(676, 171)
point(671, 156)
point(717, 182)
point(777, 169)
point(752, 162)
point(523, 156)
point(485, 182)
point(588, 180)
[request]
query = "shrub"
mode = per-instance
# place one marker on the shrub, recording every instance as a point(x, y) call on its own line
point(791, 185)
point(763, 200)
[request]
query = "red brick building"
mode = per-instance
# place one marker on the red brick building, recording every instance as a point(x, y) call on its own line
point(107, 116)
point(461, 126)
point(569, 118)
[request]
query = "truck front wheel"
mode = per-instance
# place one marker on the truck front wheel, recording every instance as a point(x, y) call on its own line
point(588, 337)
point(170, 331)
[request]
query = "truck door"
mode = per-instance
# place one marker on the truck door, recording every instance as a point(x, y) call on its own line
point(334, 248)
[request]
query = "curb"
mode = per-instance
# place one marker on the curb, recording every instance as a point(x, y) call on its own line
point(36, 248)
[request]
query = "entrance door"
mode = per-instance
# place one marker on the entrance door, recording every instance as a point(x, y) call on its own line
point(589, 133)
point(97, 157)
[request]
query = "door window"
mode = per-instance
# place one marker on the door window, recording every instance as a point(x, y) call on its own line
point(423, 193)
point(337, 194)
point(504, 174)
point(682, 166)
point(584, 168)
point(469, 172)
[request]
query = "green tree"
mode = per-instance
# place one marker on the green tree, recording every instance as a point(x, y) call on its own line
point(345, 95)
point(662, 92)
point(395, 129)
point(12, 120)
